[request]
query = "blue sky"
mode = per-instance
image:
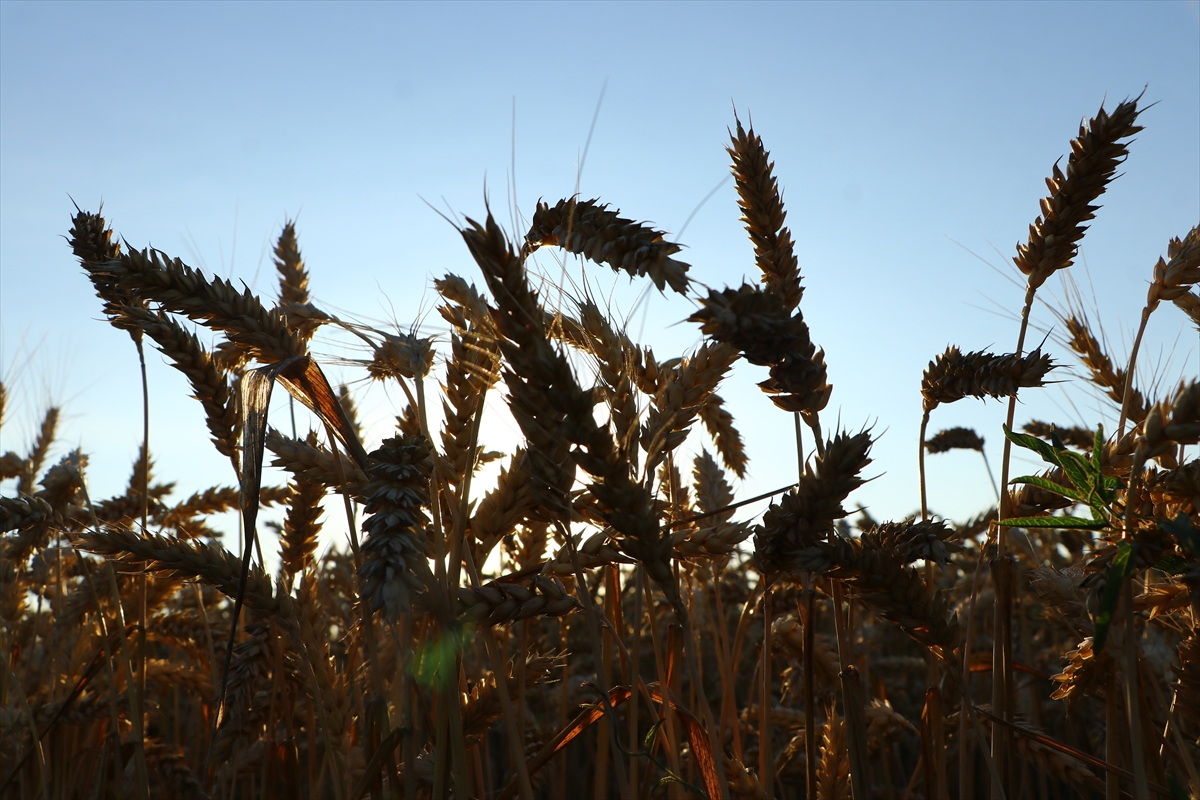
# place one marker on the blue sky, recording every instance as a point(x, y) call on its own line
point(906, 138)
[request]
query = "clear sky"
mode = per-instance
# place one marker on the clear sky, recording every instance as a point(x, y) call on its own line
point(907, 137)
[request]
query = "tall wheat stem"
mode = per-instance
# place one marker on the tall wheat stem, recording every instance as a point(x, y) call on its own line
point(591, 615)
point(1127, 393)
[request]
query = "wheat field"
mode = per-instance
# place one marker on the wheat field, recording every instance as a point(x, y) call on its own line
point(603, 620)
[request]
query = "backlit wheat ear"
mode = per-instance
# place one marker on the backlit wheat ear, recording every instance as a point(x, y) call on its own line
point(1189, 303)
point(302, 524)
point(91, 241)
point(955, 375)
point(1095, 156)
point(805, 515)
point(833, 772)
point(954, 439)
point(590, 229)
point(315, 463)
point(1100, 367)
point(759, 325)
point(762, 212)
point(211, 564)
point(261, 333)
point(294, 298)
point(725, 436)
point(32, 464)
point(397, 497)
point(1173, 278)
point(1071, 435)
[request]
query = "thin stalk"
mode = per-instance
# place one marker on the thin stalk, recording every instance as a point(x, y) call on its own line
point(852, 701)
point(921, 467)
point(1127, 394)
point(766, 762)
point(1132, 700)
point(809, 618)
point(406, 712)
point(139, 750)
point(1112, 741)
point(1002, 539)
point(635, 675)
point(447, 693)
point(1002, 647)
point(31, 722)
point(495, 654)
point(991, 478)
point(964, 745)
point(590, 615)
point(668, 712)
point(139, 695)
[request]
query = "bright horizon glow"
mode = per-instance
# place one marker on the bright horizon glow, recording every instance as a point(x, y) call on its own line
point(907, 138)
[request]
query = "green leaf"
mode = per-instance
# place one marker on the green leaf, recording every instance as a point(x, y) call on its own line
point(1073, 465)
point(1049, 486)
point(1122, 567)
point(1053, 522)
point(1172, 564)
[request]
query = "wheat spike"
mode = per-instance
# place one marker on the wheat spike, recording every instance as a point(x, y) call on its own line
point(91, 242)
point(955, 375)
point(833, 771)
point(302, 524)
point(1071, 435)
point(1173, 278)
point(315, 463)
point(213, 565)
point(1100, 367)
point(954, 439)
point(1189, 302)
point(805, 515)
point(394, 550)
point(761, 203)
point(1095, 156)
point(502, 602)
point(260, 333)
point(37, 453)
point(293, 283)
point(590, 229)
